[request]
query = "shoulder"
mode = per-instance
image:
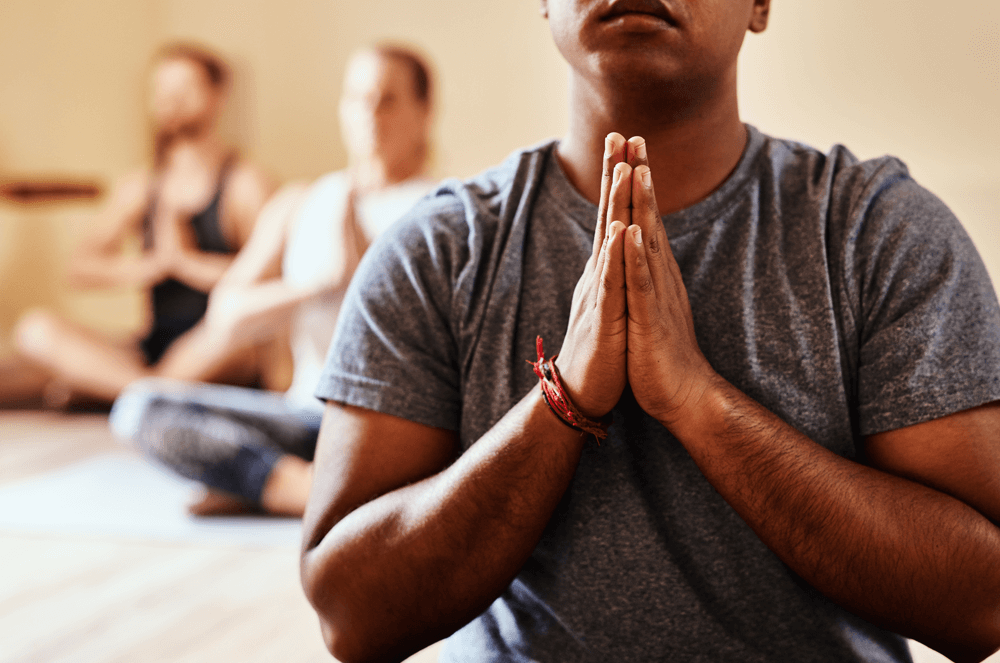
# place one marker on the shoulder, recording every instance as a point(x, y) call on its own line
point(451, 234)
point(478, 205)
point(855, 198)
point(496, 190)
point(329, 186)
point(282, 207)
point(836, 178)
point(133, 188)
point(127, 202)
point(249, 183)
point(247, 188)
point(246, 178)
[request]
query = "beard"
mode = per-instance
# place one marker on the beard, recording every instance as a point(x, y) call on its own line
point(165, 137)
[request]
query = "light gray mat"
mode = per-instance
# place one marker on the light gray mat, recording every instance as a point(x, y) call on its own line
point(123, 496)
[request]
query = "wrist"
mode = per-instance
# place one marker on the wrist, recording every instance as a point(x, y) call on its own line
point(155, 269)
point(555, 429)
point(559, 400)
point(708, 402)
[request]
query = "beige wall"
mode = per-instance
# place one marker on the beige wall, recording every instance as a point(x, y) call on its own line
point(501, 81)
point(70, 75)
point(896, 76)
point(911, 78)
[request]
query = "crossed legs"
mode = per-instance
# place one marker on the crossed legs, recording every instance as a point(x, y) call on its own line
point(250, 448)
point(80, 362)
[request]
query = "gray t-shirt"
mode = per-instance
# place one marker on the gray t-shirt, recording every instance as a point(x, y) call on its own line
point(839, 294)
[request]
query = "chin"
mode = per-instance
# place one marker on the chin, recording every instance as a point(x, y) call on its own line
point(619, 56)
point(633, 68)
point(183, 128)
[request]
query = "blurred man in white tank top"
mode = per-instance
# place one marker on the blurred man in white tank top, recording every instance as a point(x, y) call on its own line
point(252, 448)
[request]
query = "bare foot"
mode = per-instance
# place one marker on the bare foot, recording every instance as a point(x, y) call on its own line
point(287, 487)
point(217, 503)
point(57, 395)
point(22, 383)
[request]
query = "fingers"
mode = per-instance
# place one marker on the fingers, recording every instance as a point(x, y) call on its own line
point(614, 153)
point(620, 201)
point(635, 152)
point(639, 288)
point(646, 215)
point(611, 295)
point(601, 258)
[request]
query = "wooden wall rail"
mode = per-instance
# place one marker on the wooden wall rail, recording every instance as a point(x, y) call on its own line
point(32, 191)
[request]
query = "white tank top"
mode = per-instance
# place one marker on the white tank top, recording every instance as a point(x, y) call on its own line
point(315, 246)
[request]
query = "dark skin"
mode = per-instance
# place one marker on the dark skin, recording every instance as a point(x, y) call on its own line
point(908, 542)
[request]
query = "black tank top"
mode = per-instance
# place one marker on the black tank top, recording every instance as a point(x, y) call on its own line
point(176, 306)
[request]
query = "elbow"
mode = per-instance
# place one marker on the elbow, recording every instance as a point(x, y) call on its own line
point(979, 640)
point(349, 641)
point(967, 653)
point(346, 633)
point(982, 648)
point(342, 646)
point(985, 640)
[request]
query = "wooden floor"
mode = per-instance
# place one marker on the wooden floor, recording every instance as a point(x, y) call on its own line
point(73, 599)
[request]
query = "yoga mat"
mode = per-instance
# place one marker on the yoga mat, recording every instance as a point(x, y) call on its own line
point(127, 497)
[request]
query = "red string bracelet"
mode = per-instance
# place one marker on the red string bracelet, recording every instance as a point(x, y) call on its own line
point(558, 400)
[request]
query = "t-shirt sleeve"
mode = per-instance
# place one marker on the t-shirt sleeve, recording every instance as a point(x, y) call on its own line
point(393, 350)
point(929, 323)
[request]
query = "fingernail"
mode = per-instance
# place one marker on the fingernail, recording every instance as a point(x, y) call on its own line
point(640, 151)
point(617, 175)
point(647, 180)
point(638, 236)
point(609, 147)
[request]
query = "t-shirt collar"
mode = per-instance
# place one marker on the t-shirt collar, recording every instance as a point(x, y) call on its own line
point(557, 186)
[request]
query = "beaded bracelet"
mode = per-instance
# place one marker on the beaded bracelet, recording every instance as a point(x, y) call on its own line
point(558, 400)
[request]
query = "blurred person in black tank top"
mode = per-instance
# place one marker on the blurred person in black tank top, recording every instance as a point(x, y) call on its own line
point(191, 211)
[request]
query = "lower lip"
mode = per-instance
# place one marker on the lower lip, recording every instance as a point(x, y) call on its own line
point(638, 22)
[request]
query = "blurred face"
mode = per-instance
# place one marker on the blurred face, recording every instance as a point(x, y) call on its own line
point(380, 115)
point(652, 42)
point(182, 99)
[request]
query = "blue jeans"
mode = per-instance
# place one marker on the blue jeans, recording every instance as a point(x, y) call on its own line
point(228, 438)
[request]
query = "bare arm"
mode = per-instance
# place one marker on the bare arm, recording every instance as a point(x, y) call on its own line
point(897, 552)
point(402, 548)
point(436, 545)
point(99, 260)
point(246, 192)
point(908, 546)
point(252, 300)
point(175, 249)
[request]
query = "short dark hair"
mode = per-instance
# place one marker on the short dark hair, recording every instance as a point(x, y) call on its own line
point(419, 69)
point(215, 68)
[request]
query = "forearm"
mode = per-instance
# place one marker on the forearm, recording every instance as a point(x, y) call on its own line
point(247, 314)
point(200, 270)
point(903, 556)
point(415, 564)
point(111, 271)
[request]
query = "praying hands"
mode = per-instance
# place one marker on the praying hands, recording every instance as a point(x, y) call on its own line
point(631, 320)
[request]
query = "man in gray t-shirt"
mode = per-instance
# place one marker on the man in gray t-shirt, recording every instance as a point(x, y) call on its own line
point(798, 361)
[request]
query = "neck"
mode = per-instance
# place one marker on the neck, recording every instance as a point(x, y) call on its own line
point(694, 141)
point(377, 173)
point(202, 146)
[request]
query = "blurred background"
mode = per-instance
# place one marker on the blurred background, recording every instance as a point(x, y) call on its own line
point(912, 78)
point(906, 77)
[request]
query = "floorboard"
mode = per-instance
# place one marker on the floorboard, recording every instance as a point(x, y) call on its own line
point(77, 599)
